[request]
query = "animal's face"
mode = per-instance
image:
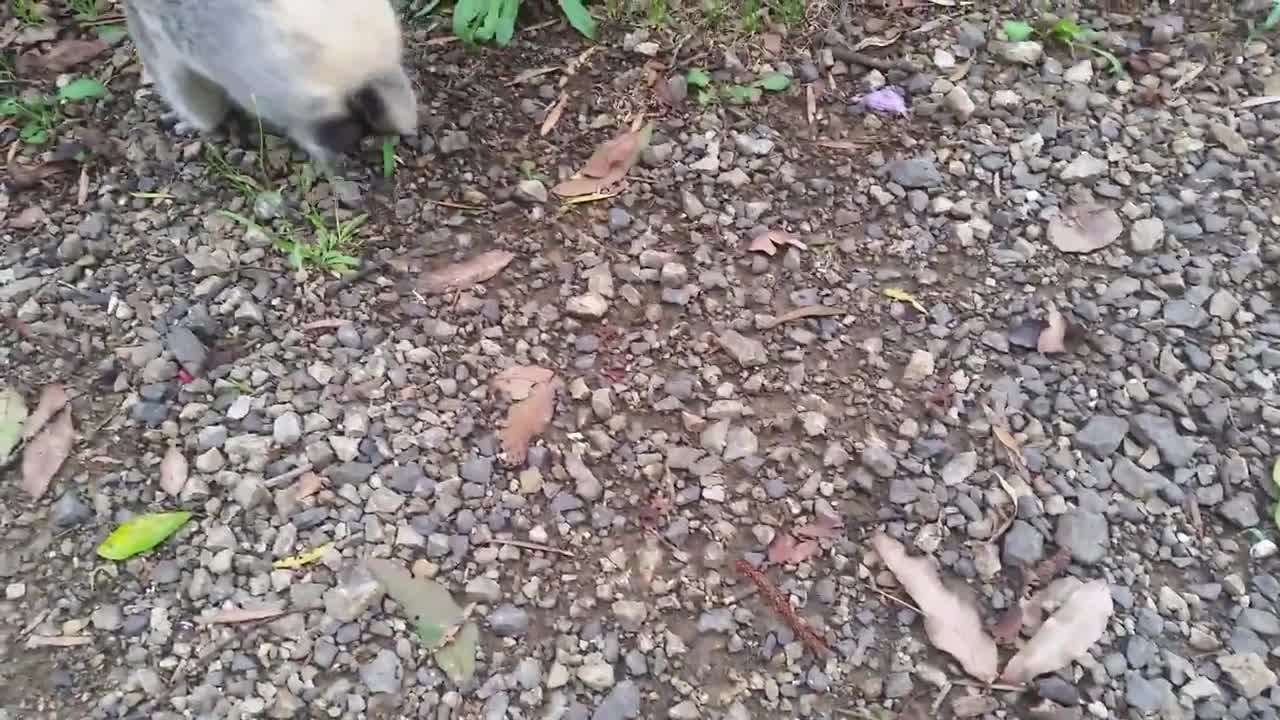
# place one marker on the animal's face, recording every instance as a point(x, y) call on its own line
point(386, 105)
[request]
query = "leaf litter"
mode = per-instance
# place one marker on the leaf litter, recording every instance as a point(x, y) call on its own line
point(1066, 636)
point(13, 415)
point(952, 624)
point(610, 163)
point(174, 471)
point(141, 533)
point(1084, 228)
point(782, 606)
point(46, 453)
point(466, 274)
point(769, 242)
point(533, 390)
point(232, 616)
point(53, 397)
point(441, 625)
point(787, 550)
point(806, 311)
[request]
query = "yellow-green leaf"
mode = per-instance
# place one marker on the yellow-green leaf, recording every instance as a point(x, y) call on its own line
point(901, 295)
point(141, 533)
point(303, 558)
point(434, 614)
point(1275, 473)
point(13, 413)
point(458, 658)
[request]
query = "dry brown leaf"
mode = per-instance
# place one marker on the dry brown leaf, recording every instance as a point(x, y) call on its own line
point(787, 550)
point(53, 397)
point(229, 616)
point(1064, 637)
point(526, 75)
point(769, 242)
point(824, 526)
point(609, 164)
point(959, 71)
point(1084, 228)
point(952, 624)
point(879, 41)
point(518, 380)
point(46, 453)
point(1006, 629)
point(174, 471)
point(528, 419)
point(468, 273)
point(1053, 337)
point(810, 103)
point(62, 641)
point(63, 56)
point(325, 324)
point(308, 484)
point(82, 189)
point(772, 43)
point(28, 218)
point(1049, 599)
point(807, 311)
point(846, 145)
point(553, 115)
point(25, 178)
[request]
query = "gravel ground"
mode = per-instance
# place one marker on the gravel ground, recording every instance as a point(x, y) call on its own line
point(692, 428)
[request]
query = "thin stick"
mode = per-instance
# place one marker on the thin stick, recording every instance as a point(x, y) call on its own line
point(989, 686)
point(285, 477)
point(532, 546)
point(891, 598)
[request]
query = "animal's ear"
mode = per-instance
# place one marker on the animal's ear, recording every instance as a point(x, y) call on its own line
point(339, 135)
point(367, 105)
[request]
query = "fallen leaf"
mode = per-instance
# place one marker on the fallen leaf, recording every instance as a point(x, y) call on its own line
point(959, 71)
point(303, 558)
point(1084, 228)
point(45, 454)
point(325, 324)
point(879, 41)
point(230, 616)
point(518, 380)
point(787, 550)
point(63, 56)
point(309, 484)
point(806, 311)
point(769, 242)
point(25, 178)
point(41, 641)
point(1065, 636)
point(846, 145)
point(609, 163)
point(772, 43)
point(1049, 599)
point(1049, 568)
point(13, 414)
point(173, 471)
point(531, 73)
point(82, 189)
point(140, 533)
point(824, 526)
point(29, 218)
point(53, 397)
point(433, 613)
point(526, 420)
point(901, 295)
point(952, 624)
point(553, 115)
point(468, 273)
point(1054, 334)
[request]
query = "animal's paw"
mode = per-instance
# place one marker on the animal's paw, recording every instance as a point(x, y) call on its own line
point(179, 125)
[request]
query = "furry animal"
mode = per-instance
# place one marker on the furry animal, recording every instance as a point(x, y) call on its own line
point(326, 72)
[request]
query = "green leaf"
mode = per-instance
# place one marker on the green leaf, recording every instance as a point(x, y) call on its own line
point(1017, 30)
point(741, 94)
point(1275, 473)
point(775, 82)
point(507, 22)
point(1067, 30)
point(433, 613)
point(706, 97)
point(33, 134)
point(141, 533)
point(341, 260)
point(579, 18)
point(1114, 66)
point(1273, 18)
point(491, 18)
point(465, 13)
point(698, 78)
point(82, 89)
point(388, 158)
point(13, 414)
point(458, 658)
point(111, 34)
point(9, 107)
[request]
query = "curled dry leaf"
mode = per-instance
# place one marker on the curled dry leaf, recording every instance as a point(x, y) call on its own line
point(46, 453)
point(518, 380)
point(1054, 335)
point(63, 56)
point(53, 397)
point(807, 311)
point(173, 471)
point(609, 164)
point(824, 526)
point(769, 242)
point(528, 419)
point(229, 616)
point(787, 550)
point(1084, 228)
point(468, 273)
point(1064, 637)
point(953, 625)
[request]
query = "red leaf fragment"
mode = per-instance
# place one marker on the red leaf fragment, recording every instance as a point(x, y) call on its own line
point(468, 273)
point(53, 397)
point(45, 454)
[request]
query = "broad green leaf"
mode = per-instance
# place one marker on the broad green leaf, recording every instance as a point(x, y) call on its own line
point(698, 78)
point(489, 27)
point(507, 22)
point(743, 94)
point(1067, 30)
point(82, 89)
point(1114, 66)
point(111, 34)
point(465, 14)
point(775, 82)
point(1273, 18)
point(579, 18)
point(1275, 516)
point(706, 97)
point(388, 158)
point(33, 134)
point(1017, 30)
point(458, 658)
point(1275, 473)
point(13, 413)
point(9, 107)
point(141, 533)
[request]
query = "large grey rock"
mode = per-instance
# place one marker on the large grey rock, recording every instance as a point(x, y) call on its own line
point(1175, 449)
point(1086, 534)
point(1102, 435)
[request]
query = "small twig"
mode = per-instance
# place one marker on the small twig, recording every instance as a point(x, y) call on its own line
point(988, 686)
point(456, 205)
point(532, 546)
point(285, 477)
point(776, 600)
point(892, 598)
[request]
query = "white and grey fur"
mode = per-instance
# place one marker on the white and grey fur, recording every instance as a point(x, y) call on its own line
point(326, 72)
